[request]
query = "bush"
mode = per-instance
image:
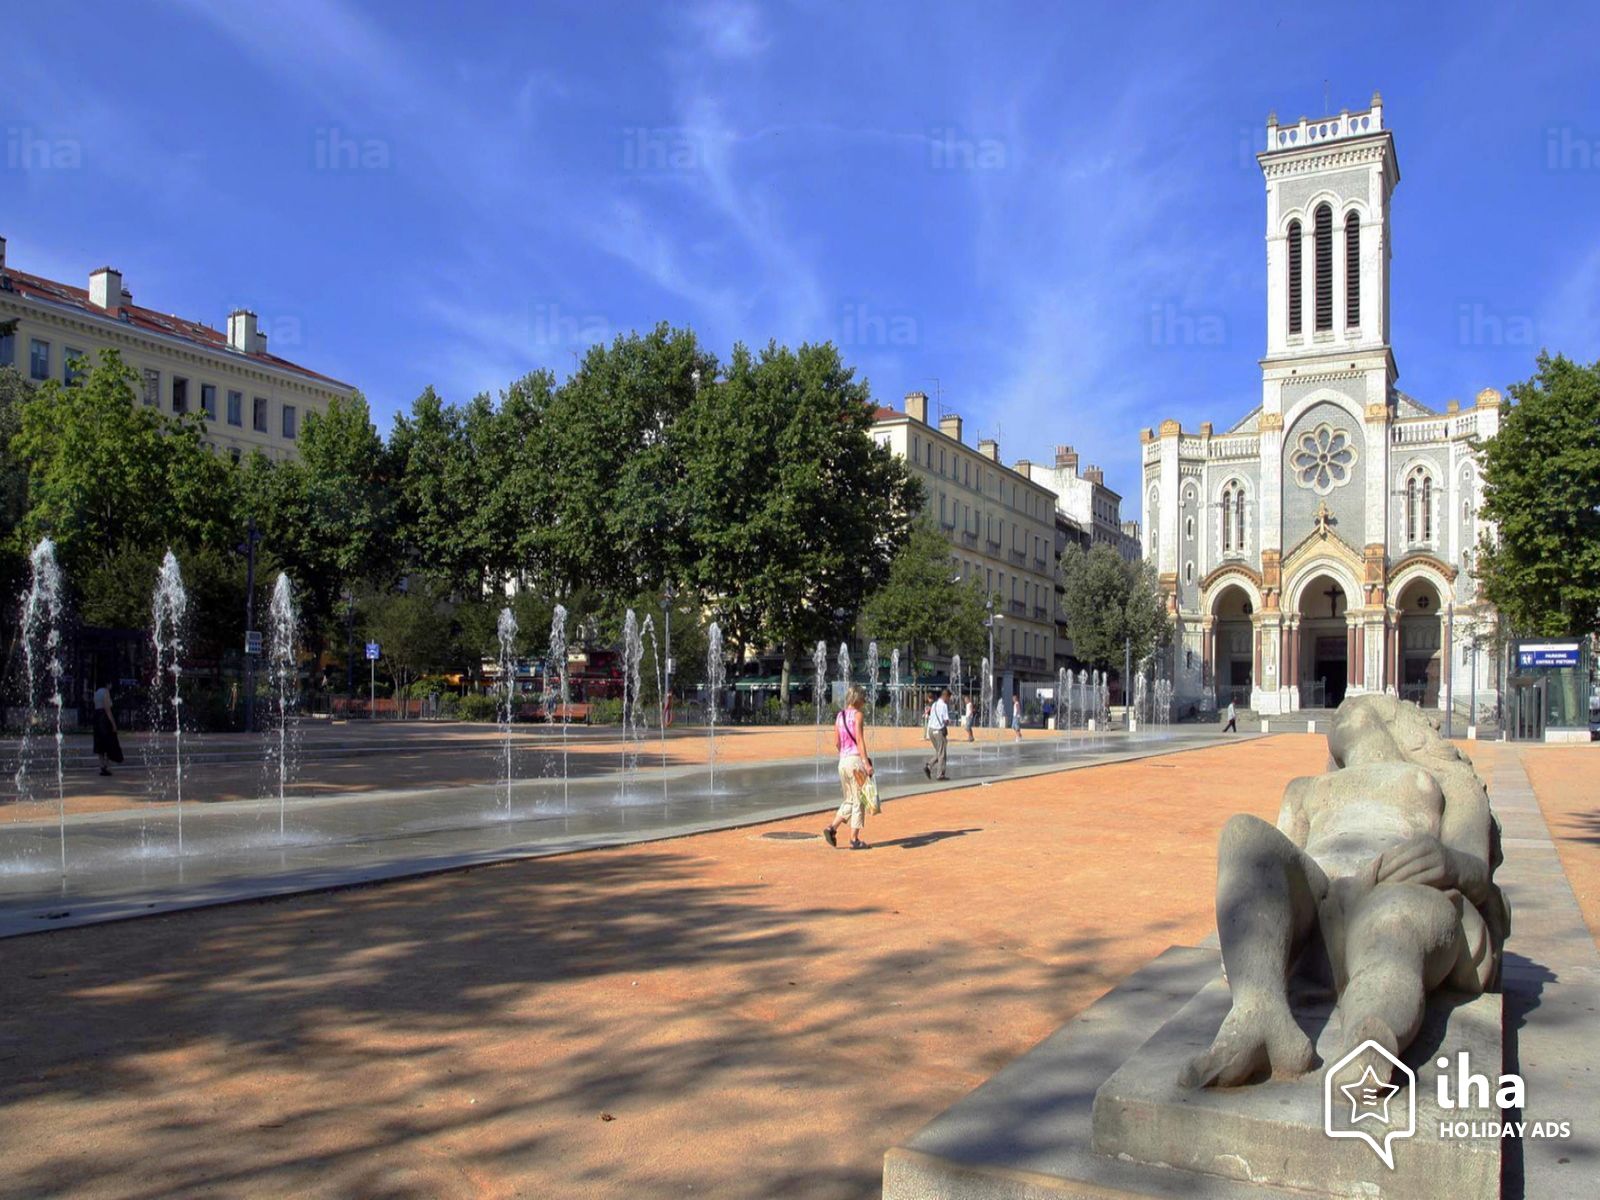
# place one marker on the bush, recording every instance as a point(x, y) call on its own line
point(477, 708)
point(605, 712)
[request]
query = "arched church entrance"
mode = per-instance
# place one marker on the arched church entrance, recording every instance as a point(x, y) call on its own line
point(1322, 643)
point(1233, 642)
point(1421, 629)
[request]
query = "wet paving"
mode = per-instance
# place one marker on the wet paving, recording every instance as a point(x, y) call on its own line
point(131, 862)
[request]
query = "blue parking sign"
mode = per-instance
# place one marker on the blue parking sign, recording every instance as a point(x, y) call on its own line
point(373, 651)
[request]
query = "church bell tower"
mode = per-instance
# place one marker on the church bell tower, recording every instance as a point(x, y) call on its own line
point(1329, 184)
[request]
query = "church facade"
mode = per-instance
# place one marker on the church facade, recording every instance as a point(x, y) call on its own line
point(1322, 546)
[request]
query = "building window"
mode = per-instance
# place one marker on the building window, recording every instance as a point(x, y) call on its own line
point(1294, 277)
point(8, 348)
point(180, 394)
point(1324, 249)
point(1352, 269)
point(1238, 520)
point(72, 360)
point(152, 388)
point(235, 454)
point(258, 414)
point(1419, 507)
point(1188, 572)
point(208, 400)
point(38, 359)
point(289, 421)
point(235, 408)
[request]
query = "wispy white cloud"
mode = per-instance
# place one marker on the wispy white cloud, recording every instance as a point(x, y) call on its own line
point(730, 28)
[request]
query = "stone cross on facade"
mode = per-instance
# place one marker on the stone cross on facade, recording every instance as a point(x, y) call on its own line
point(1324, 519)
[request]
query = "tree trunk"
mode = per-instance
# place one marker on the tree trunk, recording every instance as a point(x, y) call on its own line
point(783, 685)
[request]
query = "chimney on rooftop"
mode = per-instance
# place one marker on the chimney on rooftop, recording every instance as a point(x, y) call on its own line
point(950, 426)
point(917, 406)
point(2, 254)
point(989, 448)
point(243, 335)
point(105, 288)
point(1095, 475)
point(1067, 459)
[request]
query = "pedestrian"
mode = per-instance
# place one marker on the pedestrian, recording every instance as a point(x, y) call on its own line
point(1233, 719)
point(106, 743)
point(855, 767)
point(1016, 715)
point(967, 715)
point(938, 734)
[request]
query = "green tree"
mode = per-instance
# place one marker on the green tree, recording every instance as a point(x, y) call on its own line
point(106, 473)
point(610, 440)
point(1541, 483)
point(794, 513)
point(923, 603)
point(14, 394)
point(413, 629)
point(326, 518)
point(1108, 602)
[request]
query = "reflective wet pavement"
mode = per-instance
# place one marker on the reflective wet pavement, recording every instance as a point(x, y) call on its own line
point(128, 863)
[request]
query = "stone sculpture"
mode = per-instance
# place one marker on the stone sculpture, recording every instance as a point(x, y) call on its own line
point(1376, 882)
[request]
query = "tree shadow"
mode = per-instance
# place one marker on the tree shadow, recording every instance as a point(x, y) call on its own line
point(375, 1041)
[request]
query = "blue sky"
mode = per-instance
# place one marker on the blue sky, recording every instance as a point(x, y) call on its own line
point(1050, 215)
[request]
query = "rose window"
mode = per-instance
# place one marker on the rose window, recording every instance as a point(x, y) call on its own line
point(1323, 458)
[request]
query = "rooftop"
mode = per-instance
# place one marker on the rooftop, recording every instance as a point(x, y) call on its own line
point(64, 295)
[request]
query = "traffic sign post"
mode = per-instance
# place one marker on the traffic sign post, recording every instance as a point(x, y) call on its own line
point(373, 651)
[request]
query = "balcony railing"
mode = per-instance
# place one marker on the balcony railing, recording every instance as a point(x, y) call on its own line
point(1020, 557)
point(1040, 612)
point(1018, 607)
point(969, 539)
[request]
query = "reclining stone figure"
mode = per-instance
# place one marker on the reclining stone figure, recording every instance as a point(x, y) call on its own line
point(1377, 881)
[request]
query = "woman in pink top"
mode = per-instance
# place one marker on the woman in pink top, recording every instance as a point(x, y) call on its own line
point(855, 767)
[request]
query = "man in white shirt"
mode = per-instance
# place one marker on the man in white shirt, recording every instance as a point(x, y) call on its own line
point(938, 734)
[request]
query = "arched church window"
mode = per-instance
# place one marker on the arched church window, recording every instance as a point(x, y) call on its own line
point(1324, 267)
point(1419, 506)
point(1352, 269)
point(1227, 518)
point(1238, 519)
point(1294, 276)
point(1188, 572)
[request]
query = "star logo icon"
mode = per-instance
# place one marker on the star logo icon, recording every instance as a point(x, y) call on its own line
point(1369, 1097)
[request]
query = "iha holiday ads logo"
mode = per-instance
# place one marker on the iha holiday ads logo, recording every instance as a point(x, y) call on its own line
point(1371, 1095)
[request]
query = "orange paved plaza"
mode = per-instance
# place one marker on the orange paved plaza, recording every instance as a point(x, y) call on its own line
point(728, 1014)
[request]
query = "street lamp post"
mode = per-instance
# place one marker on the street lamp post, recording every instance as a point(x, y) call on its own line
point(668, 594)
point(248, 549)
point(1449, 669)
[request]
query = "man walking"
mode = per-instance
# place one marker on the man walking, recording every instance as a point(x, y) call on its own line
point(1233, 719)
point(938, 734)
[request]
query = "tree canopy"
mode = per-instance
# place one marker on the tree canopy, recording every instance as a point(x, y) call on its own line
point(1541, 484)
point(1109, 602)
point(923, 604)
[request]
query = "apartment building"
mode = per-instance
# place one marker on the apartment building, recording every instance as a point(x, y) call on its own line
point(252, 400)
point(1001, 526)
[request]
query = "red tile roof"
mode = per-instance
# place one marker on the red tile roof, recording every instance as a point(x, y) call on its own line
point(35, 287)
point(886, 414)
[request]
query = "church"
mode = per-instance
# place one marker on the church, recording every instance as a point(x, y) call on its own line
point(1322, 545)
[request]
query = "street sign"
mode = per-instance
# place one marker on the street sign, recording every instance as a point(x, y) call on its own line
point(1547, 654)
point(374, 652)
point(252, 641)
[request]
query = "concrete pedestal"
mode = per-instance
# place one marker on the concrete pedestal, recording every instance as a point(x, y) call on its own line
point(1275, 1132)
point(1102, 1080)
